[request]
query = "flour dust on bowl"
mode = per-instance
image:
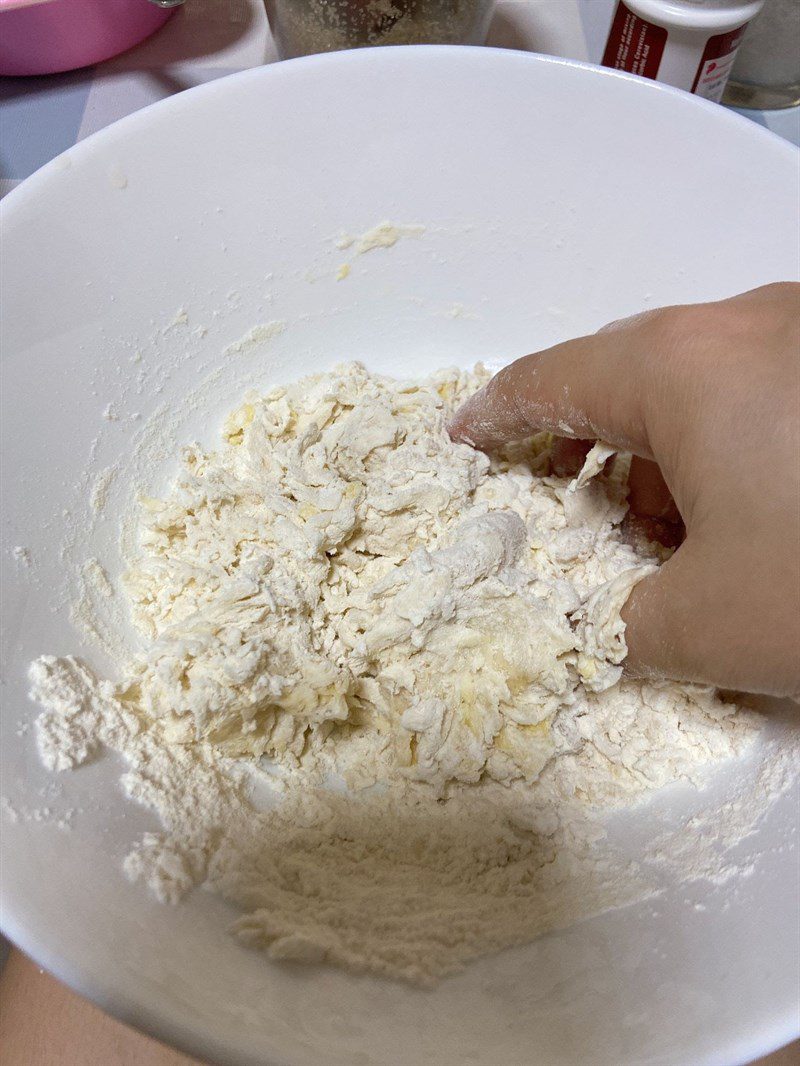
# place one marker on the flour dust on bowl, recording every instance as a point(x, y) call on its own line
point(369, 209)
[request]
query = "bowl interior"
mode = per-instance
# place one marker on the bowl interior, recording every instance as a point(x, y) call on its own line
point(554, 197)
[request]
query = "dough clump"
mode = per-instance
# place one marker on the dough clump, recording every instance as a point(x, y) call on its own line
point(341, 560)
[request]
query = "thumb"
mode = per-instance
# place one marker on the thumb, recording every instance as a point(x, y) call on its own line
point(686, 621)
point(670, 629)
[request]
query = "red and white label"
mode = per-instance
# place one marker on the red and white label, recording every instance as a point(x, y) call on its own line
point(715, 66)
point(634, 44)
point(644, 48)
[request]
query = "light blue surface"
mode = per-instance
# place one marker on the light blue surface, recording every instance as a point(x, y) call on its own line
point(595, 20)
point(786, 122)
point(39, 119)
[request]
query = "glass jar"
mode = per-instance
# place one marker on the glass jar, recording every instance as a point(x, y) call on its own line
point(304, 27)
point(766, 74)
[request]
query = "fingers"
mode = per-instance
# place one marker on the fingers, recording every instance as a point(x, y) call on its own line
point(567, 455)
point(591, 387)
point(685, 622)
point(648, 493)
point(669, 534)
point(667, 628)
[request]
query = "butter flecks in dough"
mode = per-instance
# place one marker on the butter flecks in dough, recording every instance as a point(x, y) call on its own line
point(384, 235)
point(339, 536)
point(468, 649)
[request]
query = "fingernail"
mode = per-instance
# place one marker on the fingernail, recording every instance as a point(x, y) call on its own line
point(457, 435)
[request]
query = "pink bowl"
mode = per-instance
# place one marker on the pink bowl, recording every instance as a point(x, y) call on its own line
point(45, 36)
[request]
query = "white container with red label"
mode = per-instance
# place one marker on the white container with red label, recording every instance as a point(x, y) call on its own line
point(690, 44)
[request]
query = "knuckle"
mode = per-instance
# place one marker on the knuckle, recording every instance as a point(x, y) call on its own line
point(780, 291)
point(677, 327)
point(697, 327)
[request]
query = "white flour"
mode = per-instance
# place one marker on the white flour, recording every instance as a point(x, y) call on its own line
point(342, 589)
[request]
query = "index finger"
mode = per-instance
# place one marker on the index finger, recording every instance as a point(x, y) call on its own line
point(592, 387)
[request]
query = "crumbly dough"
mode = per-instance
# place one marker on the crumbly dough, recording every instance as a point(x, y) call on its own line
point(341, 556)
point(343, 589)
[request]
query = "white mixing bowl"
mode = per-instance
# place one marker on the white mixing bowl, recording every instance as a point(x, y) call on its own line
point(555, 197)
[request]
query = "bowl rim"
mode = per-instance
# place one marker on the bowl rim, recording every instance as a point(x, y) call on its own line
point(453, 53)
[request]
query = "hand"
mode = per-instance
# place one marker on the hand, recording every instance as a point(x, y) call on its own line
point(707, 398)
